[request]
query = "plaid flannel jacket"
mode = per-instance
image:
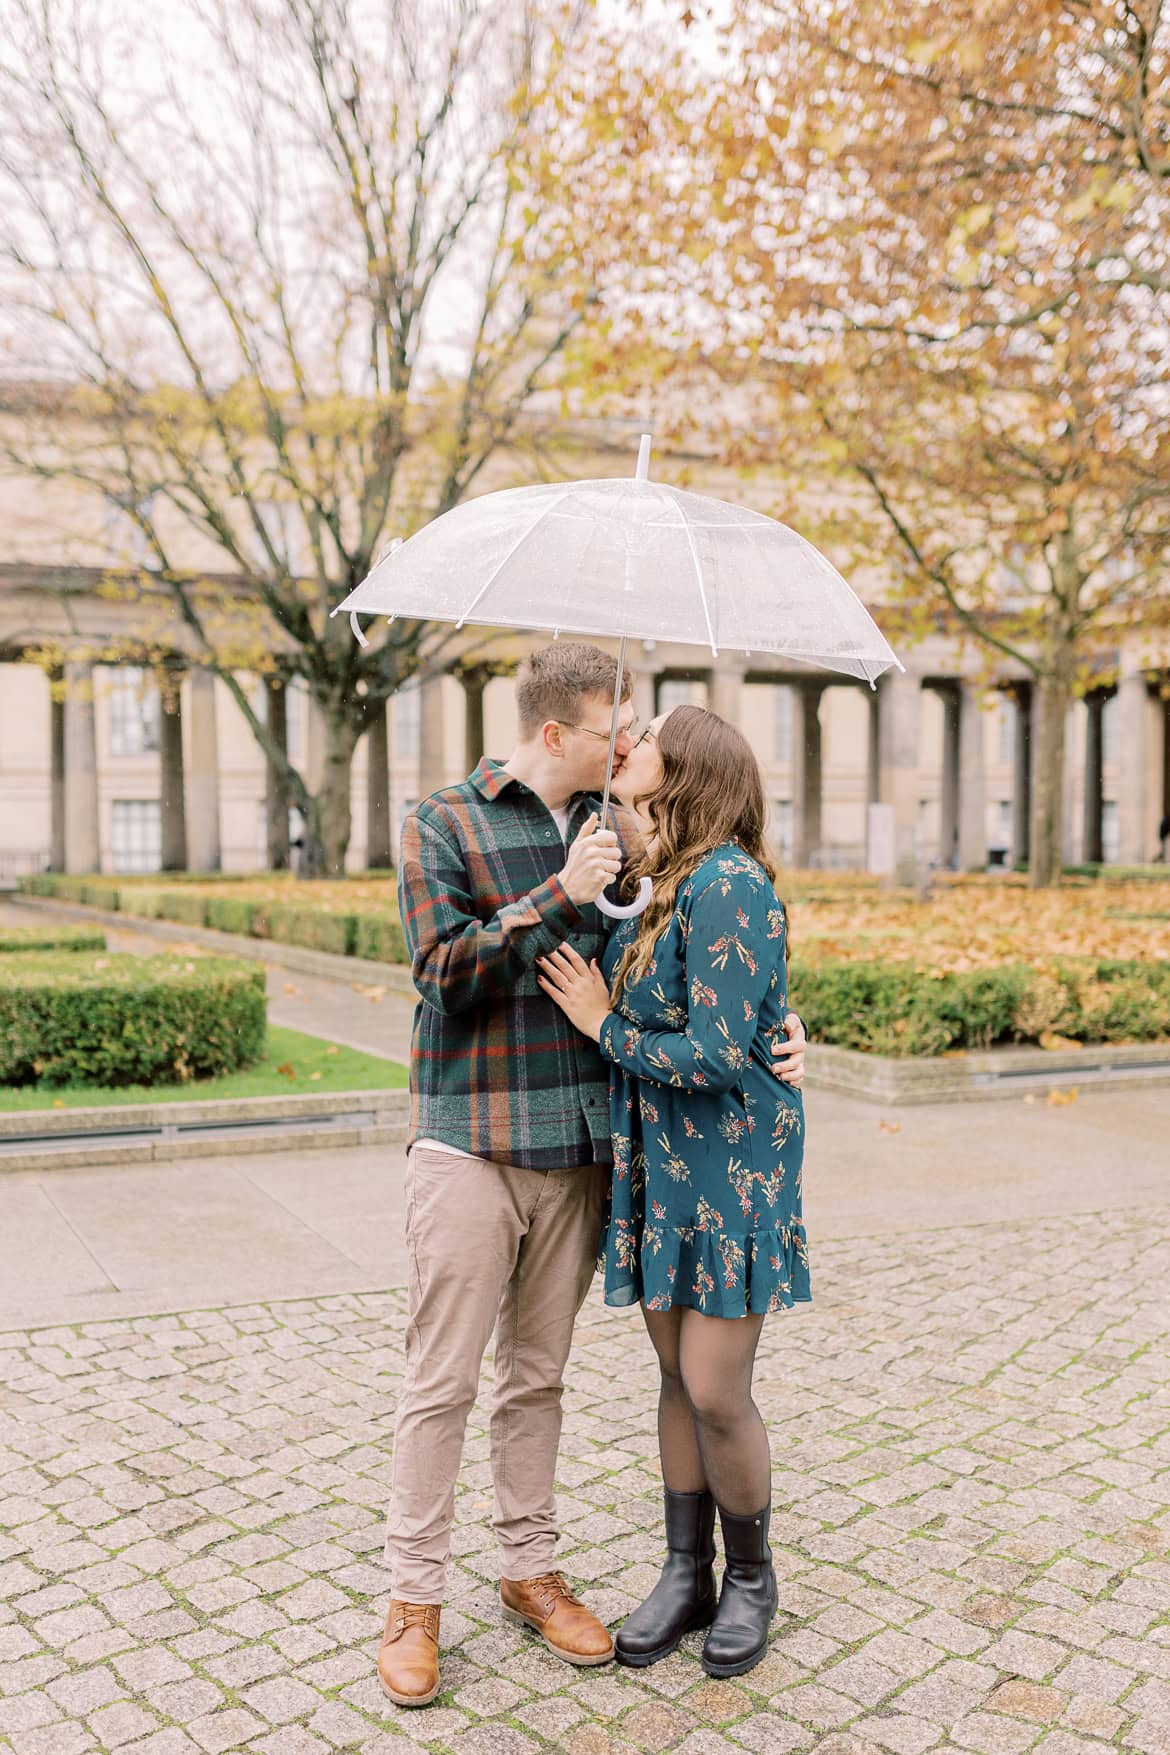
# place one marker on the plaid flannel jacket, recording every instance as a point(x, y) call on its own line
point(495, 1067)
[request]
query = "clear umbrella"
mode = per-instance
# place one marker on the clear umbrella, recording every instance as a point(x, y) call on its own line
point(632, 558)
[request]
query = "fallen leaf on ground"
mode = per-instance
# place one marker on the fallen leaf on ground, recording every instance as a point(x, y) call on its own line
point(314, 1075)
point(286, 1067)
point(58, 1102)
point(333, 1049)
point(885, 1126)
point(375, 994)
point(291, 987)
point(1058, 1099)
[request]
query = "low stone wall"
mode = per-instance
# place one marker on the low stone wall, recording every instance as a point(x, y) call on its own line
point(997, 1072)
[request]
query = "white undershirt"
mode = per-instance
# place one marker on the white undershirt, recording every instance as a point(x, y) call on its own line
point(561, 819)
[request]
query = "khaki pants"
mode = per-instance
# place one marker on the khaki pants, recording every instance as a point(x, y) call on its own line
point(490, 1246)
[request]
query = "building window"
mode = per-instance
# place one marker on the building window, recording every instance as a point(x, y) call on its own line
point(999, 826)
point(136, 834)
point(133, 712)
point(1110, 831)
point(782, 829)
point(407, 704)
point(678, 691)
point(784, 710)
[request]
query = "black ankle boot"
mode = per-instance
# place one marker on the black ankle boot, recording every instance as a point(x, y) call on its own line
point(684, 1596)
point(739, 1637)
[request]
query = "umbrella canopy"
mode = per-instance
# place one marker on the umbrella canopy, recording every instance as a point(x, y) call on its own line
point(633, 558)
point(630, 557)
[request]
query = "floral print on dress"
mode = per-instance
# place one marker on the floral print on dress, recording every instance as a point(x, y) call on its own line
point(712, 1218)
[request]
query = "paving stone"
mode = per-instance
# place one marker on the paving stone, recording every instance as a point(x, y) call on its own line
point(1028, 1700)
point(121, 1723)
point(281, 1700)
point(221, 1731)
point(899, 1731)
point(989, 1734)
point(766, 1733)
point(86, 1690)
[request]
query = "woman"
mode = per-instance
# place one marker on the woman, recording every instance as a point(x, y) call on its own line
point(704, 1223)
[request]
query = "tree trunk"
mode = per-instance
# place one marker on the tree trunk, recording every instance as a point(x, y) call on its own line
point(276, 783)
point(327, 832)
point(1052, 696)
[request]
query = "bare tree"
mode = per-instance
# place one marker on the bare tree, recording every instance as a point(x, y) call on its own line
point(286, 265)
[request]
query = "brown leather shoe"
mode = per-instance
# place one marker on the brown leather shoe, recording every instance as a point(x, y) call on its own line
point(408, 1663)
point(568, 1628)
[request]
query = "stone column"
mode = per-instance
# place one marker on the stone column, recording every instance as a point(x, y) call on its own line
point(82, 835)
point(725, 688)
point(275, 785)
point(972, 784)
point(1093, 792)
point(899, 722)
point(203, 834)
point(806, 772)
point(432, 737)
point(1022, 774)
point(379, 853)
point(948, 832)
point(1137, 832)
point(56, 770)
point(171, 787)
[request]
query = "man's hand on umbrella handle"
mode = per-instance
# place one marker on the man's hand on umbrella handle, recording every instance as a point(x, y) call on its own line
point(594, 861)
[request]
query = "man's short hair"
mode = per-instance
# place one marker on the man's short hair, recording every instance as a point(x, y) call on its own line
point(554, 680)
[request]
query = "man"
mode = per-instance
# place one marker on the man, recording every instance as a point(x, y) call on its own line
point(509, 1152)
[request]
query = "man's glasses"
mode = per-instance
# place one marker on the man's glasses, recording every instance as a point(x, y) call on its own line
point(632, 730)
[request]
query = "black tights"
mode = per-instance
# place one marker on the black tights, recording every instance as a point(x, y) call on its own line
point(710, 1433)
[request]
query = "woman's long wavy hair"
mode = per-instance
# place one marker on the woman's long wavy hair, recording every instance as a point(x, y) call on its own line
point(711, 792)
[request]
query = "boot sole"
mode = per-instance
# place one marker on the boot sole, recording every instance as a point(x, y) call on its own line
point(407, 1699)
point(585, 1660)
point(740, 1667)
point(641, 1660)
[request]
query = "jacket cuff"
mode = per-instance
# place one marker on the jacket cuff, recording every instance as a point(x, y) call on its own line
point(555, 906)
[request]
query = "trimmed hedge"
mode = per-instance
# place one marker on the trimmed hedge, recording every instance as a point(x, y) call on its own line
point(125, 1020)
point(314, 928)
point(899, 1009)
point(51, 938)
point(380, 938)
point(342, 932)
point(180, 905)
point(232, 914)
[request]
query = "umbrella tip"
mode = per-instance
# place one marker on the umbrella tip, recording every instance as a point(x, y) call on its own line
point(642, 473)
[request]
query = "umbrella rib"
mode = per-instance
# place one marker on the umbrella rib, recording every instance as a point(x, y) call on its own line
point(519, 542)
point(699, 582)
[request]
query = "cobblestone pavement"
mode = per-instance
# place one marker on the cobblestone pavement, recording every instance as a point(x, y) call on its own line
point(971, 1433)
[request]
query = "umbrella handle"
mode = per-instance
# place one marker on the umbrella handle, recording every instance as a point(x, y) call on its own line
point(638, 906)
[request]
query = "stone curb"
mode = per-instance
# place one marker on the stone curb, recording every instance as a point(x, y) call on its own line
point(389, 1108)
point(992, 1073)
point(214, 1144)
point(395, 976)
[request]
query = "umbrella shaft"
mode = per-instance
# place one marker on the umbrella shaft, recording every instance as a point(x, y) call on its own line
point(613, 730)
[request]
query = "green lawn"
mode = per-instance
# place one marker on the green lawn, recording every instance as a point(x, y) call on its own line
point(291, 1062)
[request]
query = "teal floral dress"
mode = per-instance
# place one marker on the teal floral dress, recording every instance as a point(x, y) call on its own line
point(705, 1202)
